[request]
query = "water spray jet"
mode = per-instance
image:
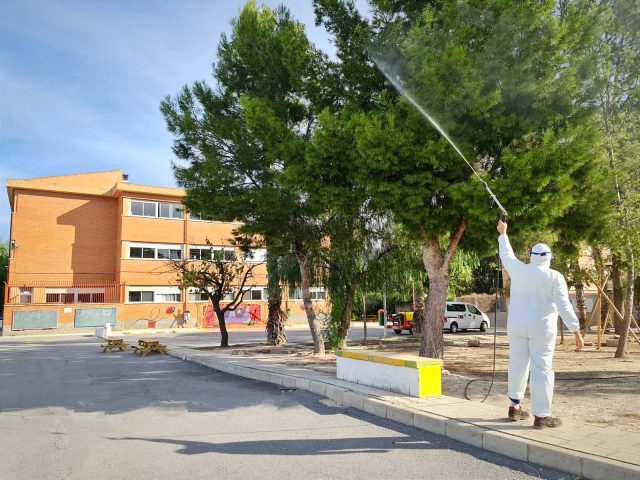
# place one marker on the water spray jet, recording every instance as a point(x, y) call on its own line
point(403, 91)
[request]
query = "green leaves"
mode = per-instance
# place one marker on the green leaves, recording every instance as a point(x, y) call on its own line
point(240, 138)
point(328, 157)
point(499, 78)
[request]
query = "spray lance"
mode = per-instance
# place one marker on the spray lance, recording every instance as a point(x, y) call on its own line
point(494, 200)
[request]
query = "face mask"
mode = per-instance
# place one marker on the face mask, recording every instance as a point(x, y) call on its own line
point(541, 254)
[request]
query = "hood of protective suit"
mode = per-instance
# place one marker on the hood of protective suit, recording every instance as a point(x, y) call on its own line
point(537, 258)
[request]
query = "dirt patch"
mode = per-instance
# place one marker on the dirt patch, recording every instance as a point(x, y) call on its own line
point(592, 387)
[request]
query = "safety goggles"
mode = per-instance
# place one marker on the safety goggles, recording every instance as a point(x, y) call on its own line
point(542, 254)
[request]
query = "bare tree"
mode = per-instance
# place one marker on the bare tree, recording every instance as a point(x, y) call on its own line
point(223, 278)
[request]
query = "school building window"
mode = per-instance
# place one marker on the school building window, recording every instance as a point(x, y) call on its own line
point(140, 296)
point(25, 295)
point(255, 294)
point(154, 294)
point(198, 297)
point(60, 298)
point(170, 210)
point(155, 252)
point(91, 298)
point(212, 253)
point(316, 293)
point(74, 295)
point(140, 208)
point(224, 254)
point(169, 253)
point(199, 253)
point(144, 209)
point(168, 297)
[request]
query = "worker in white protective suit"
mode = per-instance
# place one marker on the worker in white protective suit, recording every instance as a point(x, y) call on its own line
point(538, 295)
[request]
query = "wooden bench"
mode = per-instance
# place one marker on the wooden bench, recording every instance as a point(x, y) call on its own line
point(146, 346)
point(114, 343)
point(396, 372)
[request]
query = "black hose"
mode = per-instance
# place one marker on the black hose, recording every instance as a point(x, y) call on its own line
point(495, 339)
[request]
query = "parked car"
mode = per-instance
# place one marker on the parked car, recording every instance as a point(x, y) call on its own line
point(463, 316)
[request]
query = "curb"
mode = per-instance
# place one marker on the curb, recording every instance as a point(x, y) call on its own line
point(142, 331)
point(574, 462)
point(252, 328)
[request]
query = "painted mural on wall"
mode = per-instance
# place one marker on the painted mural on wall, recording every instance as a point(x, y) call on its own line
point(245, 313)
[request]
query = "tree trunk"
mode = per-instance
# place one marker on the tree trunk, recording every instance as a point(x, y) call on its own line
point(582, 304)
point(224, 334)
point(616, 279)
point(636, 297)
point(432, 343)
point(604, 310)
point(436, 263)
point(580, 300)
point(624, 335)
point(276, 317)
point(418, 313)
point(314, 325)
point(347, 311)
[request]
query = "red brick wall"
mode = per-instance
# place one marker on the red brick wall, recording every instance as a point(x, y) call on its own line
point(64, 237)
point(217, 233)
point(147, 272)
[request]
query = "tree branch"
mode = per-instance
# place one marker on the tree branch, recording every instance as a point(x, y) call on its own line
point(453, 244)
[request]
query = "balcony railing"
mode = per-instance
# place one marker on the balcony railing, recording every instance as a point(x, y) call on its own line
point(51, 292)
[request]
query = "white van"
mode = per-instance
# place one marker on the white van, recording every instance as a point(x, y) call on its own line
point(461, 316)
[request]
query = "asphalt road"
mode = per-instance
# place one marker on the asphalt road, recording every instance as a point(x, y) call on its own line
point(68, 411)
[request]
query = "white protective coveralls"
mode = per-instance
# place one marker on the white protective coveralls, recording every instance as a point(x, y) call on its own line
point(538, 294)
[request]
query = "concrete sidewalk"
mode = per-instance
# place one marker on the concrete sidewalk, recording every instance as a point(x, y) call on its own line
point(587, 451)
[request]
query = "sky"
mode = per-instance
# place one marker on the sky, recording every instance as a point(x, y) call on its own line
point(81, 81)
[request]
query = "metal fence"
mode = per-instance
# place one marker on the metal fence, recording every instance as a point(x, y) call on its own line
point(52, 292)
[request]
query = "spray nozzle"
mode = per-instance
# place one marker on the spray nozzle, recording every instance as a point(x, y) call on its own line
point(495, 201)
